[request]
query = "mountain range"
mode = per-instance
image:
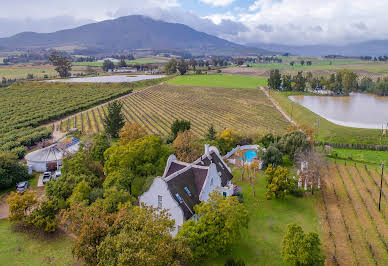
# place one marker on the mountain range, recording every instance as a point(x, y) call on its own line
point(129, 33)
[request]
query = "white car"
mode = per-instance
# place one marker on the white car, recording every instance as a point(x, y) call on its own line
point(46, 177)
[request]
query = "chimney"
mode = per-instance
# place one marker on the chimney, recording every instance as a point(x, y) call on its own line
point(207, 152)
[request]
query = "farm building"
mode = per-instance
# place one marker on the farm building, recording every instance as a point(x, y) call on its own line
point(184, 185)
point(50, 158)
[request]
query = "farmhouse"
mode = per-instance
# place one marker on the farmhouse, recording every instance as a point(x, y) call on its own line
point(50, 158)
point(184, 185)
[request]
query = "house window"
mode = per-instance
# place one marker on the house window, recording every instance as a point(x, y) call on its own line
point(179, 198)
point(160, 198)
point(187, 191)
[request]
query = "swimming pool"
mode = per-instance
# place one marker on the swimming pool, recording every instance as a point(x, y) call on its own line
point(249, 156)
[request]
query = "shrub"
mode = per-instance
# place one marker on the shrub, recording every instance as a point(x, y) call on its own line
point(11, 170)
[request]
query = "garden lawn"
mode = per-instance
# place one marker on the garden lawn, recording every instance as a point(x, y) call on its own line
point(261, 242)
point(327, 131)
point(17, 248)
point(225, 81)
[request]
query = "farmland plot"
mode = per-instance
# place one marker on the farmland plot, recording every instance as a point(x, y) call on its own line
point(247, 110)
point(356, 232)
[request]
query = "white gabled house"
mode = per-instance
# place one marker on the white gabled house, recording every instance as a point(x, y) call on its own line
point(184, 185)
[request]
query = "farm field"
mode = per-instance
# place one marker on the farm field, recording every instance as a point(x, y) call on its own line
point(20, 248)
point(361, 156)
point(327, 132)
point(15, 72)
point(140, 61)
point(356, 233)
point(260, 244)
point(27, 105)
point(225, 81)
point(156, 108)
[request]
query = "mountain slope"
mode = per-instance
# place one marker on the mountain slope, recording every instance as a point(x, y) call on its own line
point(126, 33)
point(371, 48)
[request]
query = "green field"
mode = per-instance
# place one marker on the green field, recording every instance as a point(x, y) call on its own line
point(327, 131)
point(21, 248)
point(12, 72)
point(361, 156)
point(261, 243)
point(225, 81)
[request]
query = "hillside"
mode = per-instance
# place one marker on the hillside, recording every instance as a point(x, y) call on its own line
point(371, 48)
point(128, 33)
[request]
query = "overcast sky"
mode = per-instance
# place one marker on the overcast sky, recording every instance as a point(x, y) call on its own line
point(243, 21)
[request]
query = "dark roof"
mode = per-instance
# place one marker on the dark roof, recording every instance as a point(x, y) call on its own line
point(193, 179)
point(214, 158)
point(175, 167)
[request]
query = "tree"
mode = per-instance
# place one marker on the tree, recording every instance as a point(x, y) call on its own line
point(293, 143)
point(278, 182)
point(114, 199)
point(135, 161)
point(271, 156)
point(101, 144)
point(299, 248)
point(240, 61)
point(62, 64)
point(141, 236)
point(11, 170)
point(108, 65)
point(252, 170)
point(20, 206)
point(349, 80)
point(182, 66)
point(302, 62)
point(241, 156)
point(122, 63)
point(219, 224)
point(211, 133)
point(170, 67)
point(131, 132)
point(187, 147)
point(300, 82)
point(227, 140)
point(44, 216)
point(193, 63)
point(114, 121)
point(292, 63)
point(286, 82)
point(274, 81)
point(80, 193)
point(268, 139)
point(179, 126)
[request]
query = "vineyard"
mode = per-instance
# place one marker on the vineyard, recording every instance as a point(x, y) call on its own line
point(356, 232)
point(27, 105)
point(156, 108)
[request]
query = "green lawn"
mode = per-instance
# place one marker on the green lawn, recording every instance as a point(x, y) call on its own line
point(327, 132)
point(362, 156)
point(261, 243)
point(225, 81)
point(18, 248)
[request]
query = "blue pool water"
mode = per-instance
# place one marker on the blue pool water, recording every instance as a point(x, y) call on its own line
point(249, 155)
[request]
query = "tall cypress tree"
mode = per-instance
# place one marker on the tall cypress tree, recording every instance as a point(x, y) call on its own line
point(114, 121)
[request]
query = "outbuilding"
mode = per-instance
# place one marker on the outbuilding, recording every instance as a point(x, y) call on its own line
point(50, 158)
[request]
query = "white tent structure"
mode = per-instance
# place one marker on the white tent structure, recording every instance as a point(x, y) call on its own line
point(50, 158)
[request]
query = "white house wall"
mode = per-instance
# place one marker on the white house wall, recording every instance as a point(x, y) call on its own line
point(208, 185)
point(150, 198)
point(37, 166)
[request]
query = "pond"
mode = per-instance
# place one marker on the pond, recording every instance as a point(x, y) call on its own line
point(357, 110)
point(110, 79)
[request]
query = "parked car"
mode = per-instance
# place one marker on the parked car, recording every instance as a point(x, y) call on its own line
point(46, 177)
point(57, 174)
point(22, 187)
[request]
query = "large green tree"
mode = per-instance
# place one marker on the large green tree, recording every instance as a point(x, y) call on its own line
point(182, 66)
point(271, 155)
point(62, 64)
point(135, 161)
point(108, 65)
point(114, 120)
point(293, 143)
point(100, 145)
point(171, 67)
point(275, 79)
point(179, 126)
point(278, 182)
point(219, 224)
point(300, 249)
point(11, 170)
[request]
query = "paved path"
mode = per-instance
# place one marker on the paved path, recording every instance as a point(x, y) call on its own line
point(277, 106)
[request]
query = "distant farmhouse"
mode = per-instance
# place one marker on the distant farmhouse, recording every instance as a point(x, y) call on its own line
point(184, 185)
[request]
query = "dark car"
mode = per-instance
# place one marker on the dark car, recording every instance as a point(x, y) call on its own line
point(22, 187)
point(46, 177)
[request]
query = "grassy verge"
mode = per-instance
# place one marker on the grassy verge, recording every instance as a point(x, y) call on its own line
point(261, 243)
point(361, 156)
point(327, 132)
point(24, 248)
point(225, 81)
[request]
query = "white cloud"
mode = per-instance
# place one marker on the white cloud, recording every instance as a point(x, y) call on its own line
point(218, 2)
point(218, 18)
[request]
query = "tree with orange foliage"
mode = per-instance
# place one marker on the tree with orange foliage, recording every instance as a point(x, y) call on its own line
point(131, 132)
point(186, 146)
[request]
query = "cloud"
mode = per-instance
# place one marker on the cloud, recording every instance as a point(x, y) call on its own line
point(218, 2)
